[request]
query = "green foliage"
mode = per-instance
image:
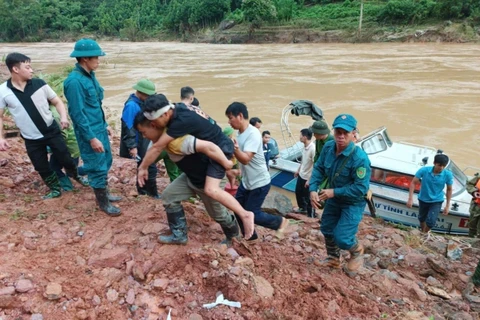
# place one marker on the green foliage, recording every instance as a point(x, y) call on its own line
point(456, 9)
point(285, 9)
point(407, 11)
point(257, 11)
point(236, 15)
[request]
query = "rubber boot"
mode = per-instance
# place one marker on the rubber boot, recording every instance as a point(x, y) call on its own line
point(104, 203)
point(232, 231)
point(54, 185)
point(178, 226)
point(111, 197)
point(333, 252)
point(356, 260)
point(80, 179)
point(65, 183)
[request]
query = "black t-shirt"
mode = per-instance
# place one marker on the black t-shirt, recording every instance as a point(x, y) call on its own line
point(195, 167)
point(194, 121)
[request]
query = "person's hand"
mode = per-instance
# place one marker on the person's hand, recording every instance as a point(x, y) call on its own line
point(307, 184)
point(110, 131)
point(295, 174)
point(235, 144)
point(326, 194)
point(4, 145)
point(142, 176)
point(409, 202)
point(445, 211)
point(133, 152)
point(97, 145)
point(314, 199)
point(64, 123)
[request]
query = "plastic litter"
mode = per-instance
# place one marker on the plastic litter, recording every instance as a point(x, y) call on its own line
point(169, 317)
point(222, 300)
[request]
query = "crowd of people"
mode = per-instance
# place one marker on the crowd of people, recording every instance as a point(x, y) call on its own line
point(200, 157)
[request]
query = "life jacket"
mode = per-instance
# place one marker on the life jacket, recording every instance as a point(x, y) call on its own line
point(477, 200)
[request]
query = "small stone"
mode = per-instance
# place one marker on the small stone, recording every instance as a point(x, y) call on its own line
point(205, 275)
point(264, 288)
point(29, 234)
point(53, 291)
point(233, 253)
point(80, 261)
point(160, 283)
point(137, 273)
point(36, 316)
point(29, 244)
point(236, 271)
point(82, 314)
point(244, 261)
point(23, 285)
point(297, 248)
point(154, 228)
point(96, 300)
point(195, 316)
point(245, 281)
point(7, 291)
point(214, 264)
point(130, 296)
point(454, 252)
point(434, 282)
point(112, 295)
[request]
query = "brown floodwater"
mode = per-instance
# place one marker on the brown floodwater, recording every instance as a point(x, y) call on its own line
point(423, 93)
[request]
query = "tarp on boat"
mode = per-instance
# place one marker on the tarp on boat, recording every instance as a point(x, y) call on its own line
point(306, 108)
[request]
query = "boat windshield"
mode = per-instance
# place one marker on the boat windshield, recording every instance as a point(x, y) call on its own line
point(459, 178)
point(376, 143)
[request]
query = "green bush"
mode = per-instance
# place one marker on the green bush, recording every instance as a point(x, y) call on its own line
point(285, 9)
point(258, 11)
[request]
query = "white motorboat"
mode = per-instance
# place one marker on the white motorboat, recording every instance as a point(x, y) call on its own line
point(393, 165)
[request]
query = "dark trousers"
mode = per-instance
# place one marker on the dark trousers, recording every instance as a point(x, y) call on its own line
point(252, 200)
point(57, 168)
point(303, 197)
point(37, 152)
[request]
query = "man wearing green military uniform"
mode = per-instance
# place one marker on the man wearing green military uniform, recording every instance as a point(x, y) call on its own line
point(322, 135)
point(473, 186)
point(347, 170)
point(84, 95)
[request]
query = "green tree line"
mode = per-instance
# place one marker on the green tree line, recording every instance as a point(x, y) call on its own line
point(34, 20)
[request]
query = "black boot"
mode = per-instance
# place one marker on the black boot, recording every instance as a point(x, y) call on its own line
point(54, 184)
point(151, 188)
point(231, 231)
point(74, 174)
point(104, 202)
point(178, 226)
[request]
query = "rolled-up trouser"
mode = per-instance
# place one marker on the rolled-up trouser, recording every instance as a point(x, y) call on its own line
point(96, 164)
point(474, 221)
point(340, 222)
point(37, 152)
point(181, 189)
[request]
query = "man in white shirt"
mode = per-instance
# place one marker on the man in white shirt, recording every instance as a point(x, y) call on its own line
point(255, 182)
point(304, 173)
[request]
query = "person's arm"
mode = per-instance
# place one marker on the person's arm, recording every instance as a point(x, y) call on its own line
point(76, 102)
point(242, 157)
point(58, 103)
point(470, 186)
point(214, 152)
point(3, 142)
point(411, 189)
point(449, 197)
point(151, 156)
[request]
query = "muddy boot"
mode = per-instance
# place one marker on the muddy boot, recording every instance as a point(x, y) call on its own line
point(111, 197)
point(104, 203)
point(232, 231)
point(356, 260)
point(54, 185)
point(65, 183)
point(80, 179)
point(178, 226)
point(333, 252)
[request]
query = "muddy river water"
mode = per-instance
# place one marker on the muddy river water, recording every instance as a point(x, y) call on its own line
point(423, 93)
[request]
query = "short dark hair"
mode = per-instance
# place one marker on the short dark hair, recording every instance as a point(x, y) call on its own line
point(186, 92)
point(236, 108)
point(255, 120)
point(441, 159)
point(195, 102)
point(14, 59)
point(155, 102)
point(306, 133)
point(265, 132)
point(140, 119)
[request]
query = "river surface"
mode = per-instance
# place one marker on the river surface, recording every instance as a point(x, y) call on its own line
point(423, 93)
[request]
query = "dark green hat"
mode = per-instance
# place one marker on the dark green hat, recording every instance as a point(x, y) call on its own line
point(320, 127)
point(228, 131)
point(85, 48)
point(145, 86)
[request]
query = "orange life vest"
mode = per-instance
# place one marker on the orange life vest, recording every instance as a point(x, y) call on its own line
point(477, 200)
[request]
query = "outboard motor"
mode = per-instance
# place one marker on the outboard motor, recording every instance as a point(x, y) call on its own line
point(425, 160)
point(274, 151)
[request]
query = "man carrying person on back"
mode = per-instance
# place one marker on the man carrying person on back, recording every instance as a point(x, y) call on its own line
point(430, 198)
point(28, 100)
point(255, 182)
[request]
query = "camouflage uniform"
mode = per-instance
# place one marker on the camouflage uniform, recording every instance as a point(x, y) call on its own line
point(474, 223)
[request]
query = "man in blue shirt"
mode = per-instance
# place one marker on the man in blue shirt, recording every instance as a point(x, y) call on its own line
point(266, 147)
point(431, 197)
point(346, 170)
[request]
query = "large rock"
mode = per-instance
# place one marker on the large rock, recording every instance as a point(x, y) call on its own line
point(226, 24)
point(109, 258)
point(264, 288)
point(276, 202)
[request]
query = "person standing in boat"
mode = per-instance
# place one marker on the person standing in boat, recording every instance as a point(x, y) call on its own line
point(255, 182)
point(473, 187)
point(430, 198)
point(346, 170)
point(304, 173)
point(322, 135)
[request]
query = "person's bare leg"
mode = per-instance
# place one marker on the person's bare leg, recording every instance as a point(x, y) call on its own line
point(213, 190)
